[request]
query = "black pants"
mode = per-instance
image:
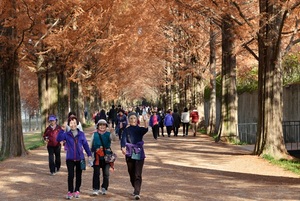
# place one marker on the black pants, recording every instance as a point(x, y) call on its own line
point(71, 165)
point(96, 175)
point(54, 163)
point(155, 131)
point(162, 129)
point(135, 169)
point(175, 128)
point(185, 128)
point(169, 129)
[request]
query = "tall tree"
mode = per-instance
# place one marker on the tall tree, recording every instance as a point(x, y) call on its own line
point(228, 127)
point(269, 130)
point(10, 113)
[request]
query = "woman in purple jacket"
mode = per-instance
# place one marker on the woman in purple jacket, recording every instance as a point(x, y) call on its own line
point(75, 143)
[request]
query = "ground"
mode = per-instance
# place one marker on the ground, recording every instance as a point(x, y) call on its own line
point(176, 168)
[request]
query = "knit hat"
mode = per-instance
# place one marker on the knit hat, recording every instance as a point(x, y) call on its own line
point(102, 121)
point(132, 113)
point(52, 117)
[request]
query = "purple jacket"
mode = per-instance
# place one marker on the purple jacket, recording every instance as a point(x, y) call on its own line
point(74, 145)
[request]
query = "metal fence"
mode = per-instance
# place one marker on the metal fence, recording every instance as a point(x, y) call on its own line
point(291, 133)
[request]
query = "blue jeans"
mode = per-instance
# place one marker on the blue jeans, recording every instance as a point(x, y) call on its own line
point(105, 174)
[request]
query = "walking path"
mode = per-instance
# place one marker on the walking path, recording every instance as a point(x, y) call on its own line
point(176, 169)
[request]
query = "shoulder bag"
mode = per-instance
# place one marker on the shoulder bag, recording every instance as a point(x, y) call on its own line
point(111, 157)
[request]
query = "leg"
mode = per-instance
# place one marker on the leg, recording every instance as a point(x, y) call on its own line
point(96, 177)
point(57, 158)
point(105, 173)
point(51, 159)
point(70, 166)
point(78, 176)
point(138, 176)
point(131, 169)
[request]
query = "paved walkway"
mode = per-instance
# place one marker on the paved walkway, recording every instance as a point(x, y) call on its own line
point(176, 169)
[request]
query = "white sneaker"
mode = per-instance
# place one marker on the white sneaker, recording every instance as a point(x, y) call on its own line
point(103, 191)
point(137, 197)
point(95, 192)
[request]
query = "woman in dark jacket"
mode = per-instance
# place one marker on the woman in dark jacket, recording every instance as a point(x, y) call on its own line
point(132, 146)
point(177, 120)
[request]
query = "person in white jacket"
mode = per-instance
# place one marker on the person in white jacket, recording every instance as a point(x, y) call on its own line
point(185, 119)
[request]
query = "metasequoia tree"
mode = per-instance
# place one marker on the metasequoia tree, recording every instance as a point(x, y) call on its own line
point(11, 135)
point(274, 18)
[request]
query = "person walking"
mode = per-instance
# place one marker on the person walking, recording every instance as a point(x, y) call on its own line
point(177, 120)
point(195, 118)
point(53, 147)
point(100, 145)
point(112, 115)
point(132, 146)
point(169, 122)
point(75, 141)
point(154, 123)
point(161, 122)
point(185, 119)
point(121, 123)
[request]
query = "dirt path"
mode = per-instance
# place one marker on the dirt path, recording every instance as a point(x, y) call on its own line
point(176, 168)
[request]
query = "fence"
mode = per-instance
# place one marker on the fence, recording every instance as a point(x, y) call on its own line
point(291, 133)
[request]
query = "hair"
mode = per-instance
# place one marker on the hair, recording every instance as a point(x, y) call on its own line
point(71, 113)
point(71, 119)
point(175, 110)
point(185, 109)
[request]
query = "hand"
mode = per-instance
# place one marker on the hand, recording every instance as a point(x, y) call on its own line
point(123, 149)
point(90, 161)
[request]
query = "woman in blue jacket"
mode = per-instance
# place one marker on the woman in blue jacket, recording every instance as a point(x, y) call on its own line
point(169, 122)
point(75, 141)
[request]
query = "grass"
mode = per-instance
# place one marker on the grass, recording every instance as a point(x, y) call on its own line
point(290, 165)
point(33, 141)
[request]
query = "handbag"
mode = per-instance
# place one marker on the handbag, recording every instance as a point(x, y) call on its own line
point(109, 158)
point(82, 164)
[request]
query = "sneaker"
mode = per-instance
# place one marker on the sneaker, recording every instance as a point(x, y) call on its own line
point(69, 196)
point(77, 194)
point(95, 192)
point(103, 191)
point(52, 173)
point(137, 197)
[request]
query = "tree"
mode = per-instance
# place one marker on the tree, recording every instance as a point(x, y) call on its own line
point(269, 130)
point(10, 113)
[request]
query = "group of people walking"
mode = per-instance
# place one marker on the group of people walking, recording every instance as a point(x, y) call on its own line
point(130, 131)
point(75, 143)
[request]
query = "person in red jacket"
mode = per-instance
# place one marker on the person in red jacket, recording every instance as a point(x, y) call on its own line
point(194, 119)
point(53, 146)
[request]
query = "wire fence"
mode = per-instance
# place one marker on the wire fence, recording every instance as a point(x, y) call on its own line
point(291, 133)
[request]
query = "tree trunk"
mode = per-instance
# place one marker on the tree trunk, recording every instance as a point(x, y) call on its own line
point(12, 143)
point(228, 128)
point(269, 128)
point(63, 97)
point(74, 98)
point(212, 130)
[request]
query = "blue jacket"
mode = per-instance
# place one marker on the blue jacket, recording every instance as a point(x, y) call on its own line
point(169, 121)
point(74, 145)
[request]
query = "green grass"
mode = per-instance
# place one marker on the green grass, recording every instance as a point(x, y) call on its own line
point(290, 165)
point(33, 141)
